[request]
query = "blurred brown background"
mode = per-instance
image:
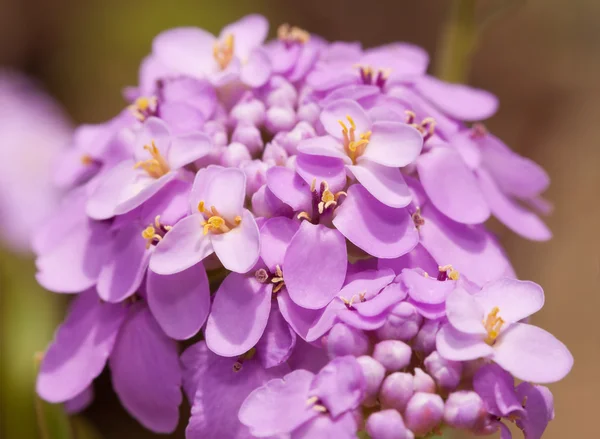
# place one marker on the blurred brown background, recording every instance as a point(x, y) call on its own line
point(541, 57)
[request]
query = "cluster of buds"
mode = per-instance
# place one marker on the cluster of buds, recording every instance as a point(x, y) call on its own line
point(316, 228)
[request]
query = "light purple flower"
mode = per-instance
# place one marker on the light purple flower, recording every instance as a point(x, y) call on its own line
point(158, 158)
point(486, 325)
point(234, 54)
point(219, 224)
point(371, 151)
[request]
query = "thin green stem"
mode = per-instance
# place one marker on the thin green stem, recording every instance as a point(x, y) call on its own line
point(457, 41)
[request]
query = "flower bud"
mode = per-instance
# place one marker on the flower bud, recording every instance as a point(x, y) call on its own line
point(392, 354)
point(256, 175)
point(217, 132)
point(396, 390)
point(425, 338)
point(423, 382)
point(250, 111)
point(423, 412)
point(275, 154)
point(387, 424)
point(463, 409)
point(290, 140)
point(235, 154)
point(280, 119)
point(374, 373)
point(446, 373)
point(282, 94)
point(344, 340)
point(249, 135)
point(403, 323)
point(309, 113)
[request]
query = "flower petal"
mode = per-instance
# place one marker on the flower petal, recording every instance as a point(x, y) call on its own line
point(182, 247)
point(126, 265)
point(238, 250)
point(339, 111)
point(277, 342)
point(248, 32)
point(289, 188)
point(146, 374)
point(393, 144)
point(512, 215)
point(328, 169)
point(279, 406)
point(425, 289)
point(187, 50)
point(188, 148)
point(465, 313)
point(531, 354)
point(380, 230)
point(225, 190)
point(516, 299)
point(239, 315)
point(314, 266)
point(325, 146)
point(257, 70)
point(104, 199)
point(80, 348)
point(458, 346)
point(384, 183)
point(179, 302)
point(452, 187)
point(340, 385)
point(275, 237)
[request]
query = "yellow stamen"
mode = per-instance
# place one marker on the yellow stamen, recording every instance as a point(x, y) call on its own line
point(157, 166)
point(223, 51)
point(143, 106)
point(216, 223)
point(354, 147)
point(87, 160)
point(292, 34)
point(201, 207)
point(492, 325)
point(304, 215)
point(450, 272)
point(154, 232)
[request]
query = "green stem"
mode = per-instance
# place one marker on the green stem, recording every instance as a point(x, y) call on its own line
point(457, 41)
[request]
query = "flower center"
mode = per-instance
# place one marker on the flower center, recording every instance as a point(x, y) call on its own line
point(157, 166)
point(223, 51)
point(360, 297)
point(263, 276)
point(354, 147)
point(426, 127)
point(87, 159)
point(492, 325)
point(418, 220)
point(237, 366)
point(447, 272)
point(154, 233)
point(371, 76)
point(144, 107)
point(292, 34)
point(312, 402)
point(323, 201)
point(214, 221)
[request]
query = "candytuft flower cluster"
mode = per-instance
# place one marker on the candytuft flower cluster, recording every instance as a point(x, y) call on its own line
point(311, 215)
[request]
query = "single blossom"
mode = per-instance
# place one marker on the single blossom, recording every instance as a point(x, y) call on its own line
point(487, 325)
point(219, 224)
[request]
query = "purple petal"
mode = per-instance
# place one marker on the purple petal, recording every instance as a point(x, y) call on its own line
point(148, 389)
point(179, 302)
point(356, 320)
point(257, 70)
point(277, 342)
point(452, 187)
point(80, 402)
point(511, 214)
point(141, 190)
point(516, 299)
point(275, 237)
point(75, 262)
point(182, 247)
point(154, 131)
point(193, 361)
point(187, 50)
point(426, 289)
point(248, 32)
point(340, 385)
point(289, 188)
point(416, 258)
point(238, 250)
point(126, 266)
point(325, 427)
point(539, 407)
point(279, 406)
point(300, 319)
point(458, 101)
point(104, 199)
point(340, 110)
point(514, 175)
point(80, 348)
point(325, 146)
point(220, 394)
point(308, 356)
point(225, 189)
point(393, 144)
point(388, 297)
point(239, 315)
point(380, 230)
point(327, 169)
point(384, 183)
point(471, 250)
point(458, 346)
point(532, 354)
point(367, 282)
point(188, 148)
point(314, 266)
point(465, 313)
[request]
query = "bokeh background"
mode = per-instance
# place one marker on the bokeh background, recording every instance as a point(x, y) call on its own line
point(541, 57)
